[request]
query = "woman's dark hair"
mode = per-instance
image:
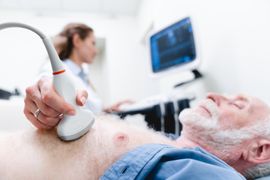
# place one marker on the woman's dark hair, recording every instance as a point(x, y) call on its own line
point(63, 41)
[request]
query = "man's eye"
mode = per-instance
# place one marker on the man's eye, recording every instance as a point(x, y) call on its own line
point(239, 105)
point(236, 105)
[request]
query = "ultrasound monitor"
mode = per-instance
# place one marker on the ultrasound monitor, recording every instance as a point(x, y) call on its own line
point(174, 48)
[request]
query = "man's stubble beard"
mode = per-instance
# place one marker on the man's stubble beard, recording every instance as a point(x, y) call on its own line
point(208, 133)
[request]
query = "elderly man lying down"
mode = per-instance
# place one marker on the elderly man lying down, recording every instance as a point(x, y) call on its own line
point(234, 129)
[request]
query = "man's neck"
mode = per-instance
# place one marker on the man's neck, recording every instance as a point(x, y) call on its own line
point(238, 163)
point(183, 141)
point(241, 166)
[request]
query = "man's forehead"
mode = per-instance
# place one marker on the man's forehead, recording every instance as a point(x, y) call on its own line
point(249, 98)
point(234, 96)
point(259, 107)
point(255, 103)
point(259, 102)
point(253, 100)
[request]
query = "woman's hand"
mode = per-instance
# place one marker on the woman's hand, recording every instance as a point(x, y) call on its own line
point(116, 107)
point(44, 108)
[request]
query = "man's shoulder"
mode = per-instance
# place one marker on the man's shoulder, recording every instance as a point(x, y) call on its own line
point(189, 163)
point(158, 161)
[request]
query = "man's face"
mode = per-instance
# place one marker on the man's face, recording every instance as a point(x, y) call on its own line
point(219, 119)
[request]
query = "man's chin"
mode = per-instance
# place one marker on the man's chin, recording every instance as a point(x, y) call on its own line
point(193, 118)
point(186, 116)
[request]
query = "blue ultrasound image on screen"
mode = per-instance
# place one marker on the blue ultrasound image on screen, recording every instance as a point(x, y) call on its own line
point(173, 46)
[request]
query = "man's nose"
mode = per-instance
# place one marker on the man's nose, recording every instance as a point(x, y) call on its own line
point(217, 98)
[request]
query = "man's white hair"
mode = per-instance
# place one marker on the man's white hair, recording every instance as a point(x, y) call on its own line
point(263, 130)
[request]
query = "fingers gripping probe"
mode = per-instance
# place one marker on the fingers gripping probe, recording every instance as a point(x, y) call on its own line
point(70, 127)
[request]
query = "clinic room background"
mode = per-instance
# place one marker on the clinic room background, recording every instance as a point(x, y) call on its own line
point(232, 41)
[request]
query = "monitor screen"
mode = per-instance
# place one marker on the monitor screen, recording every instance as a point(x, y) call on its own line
point(173, 46)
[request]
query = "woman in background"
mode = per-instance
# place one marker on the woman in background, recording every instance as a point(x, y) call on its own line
point(76, 47)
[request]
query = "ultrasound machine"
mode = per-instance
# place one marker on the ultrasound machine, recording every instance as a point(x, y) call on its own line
point(172, 49)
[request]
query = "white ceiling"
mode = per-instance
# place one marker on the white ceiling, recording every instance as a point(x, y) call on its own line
point(104, 7)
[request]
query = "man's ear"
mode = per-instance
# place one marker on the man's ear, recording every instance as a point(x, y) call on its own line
point(259, 152)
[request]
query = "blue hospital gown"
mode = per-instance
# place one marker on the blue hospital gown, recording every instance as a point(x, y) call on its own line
point(159, 161)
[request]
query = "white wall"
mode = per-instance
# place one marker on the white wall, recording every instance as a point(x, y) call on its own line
point(233, 40)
